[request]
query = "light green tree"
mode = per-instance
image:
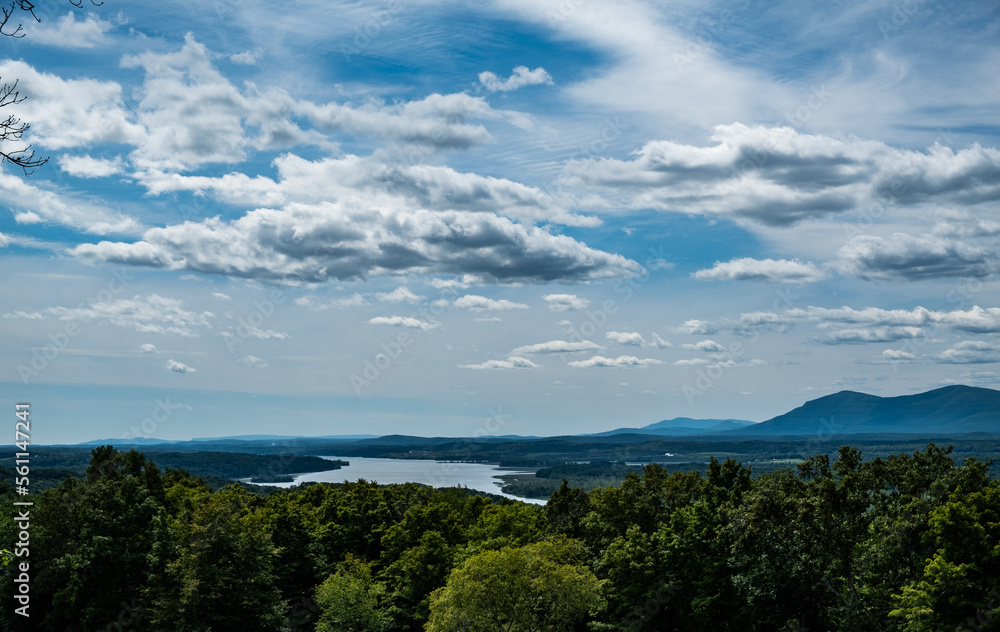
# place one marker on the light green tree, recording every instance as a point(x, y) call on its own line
point(351, 601)
point(534, 588)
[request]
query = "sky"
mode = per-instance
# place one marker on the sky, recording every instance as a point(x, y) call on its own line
point(511, 217)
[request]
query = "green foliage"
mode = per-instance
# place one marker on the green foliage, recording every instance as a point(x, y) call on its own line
point(534, 588)
point(351, 601)
point(905, 543)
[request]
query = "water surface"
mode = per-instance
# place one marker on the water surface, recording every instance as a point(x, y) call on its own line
point(479, 476)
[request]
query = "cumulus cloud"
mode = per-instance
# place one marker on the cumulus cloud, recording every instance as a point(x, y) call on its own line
point(221, 296)
point(565, 302)
point(619, 362)
point(147, 348)
point(314, 304)
point(314, 243)
point(147, 314)
point(246, 58)
point(382, 181)
point(635, 339)
point(905, 257)
point(399, 295)
point(512, 362)
point(970, 352)
point(557, 346)
point(697, 327)
point(476, 303)
point(72, 113)
point(880, 324)
point(626, 338)
point(88, 167)
point(66, 32)
point(439, 120)
point(404, 321)
point(869, 335)
point(34, 205)
point(253, 361)
point(705, 346)
point(520, 78)
point(778, 176)
point(180, 367)
point(770, 270)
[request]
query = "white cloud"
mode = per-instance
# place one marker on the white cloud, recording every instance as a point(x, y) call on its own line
point(35, 205)
point(476, 303)
point(66, 32)
point(697, 327)
point(692, 362)
point(88, 167)
point(404, 321)
point(770, 270)
point(520, 78)
point(72, 113)
point(897, 355)
point(619, 362)
point(778, 176)
point(253, 361)
point(565, 302)
point(314, 243)
point(908, 258)
point(147, 348)
point(246, 330)
point(221, 296)
point(512, 362)
point(557, 346)
point(311, 302)
point(632, 338)
point(869, 335)
point(146, 314)
point(179, 367)
point(399, 295)
point(246, 58)
point(659, 342)
point(706, 346)
point(970, 352)
point(973, 320)
point(437, 121)
point(447, 284)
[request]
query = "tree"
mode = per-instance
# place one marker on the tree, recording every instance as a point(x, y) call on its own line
point(537, 587)
point(12, 129)
point(351, 601)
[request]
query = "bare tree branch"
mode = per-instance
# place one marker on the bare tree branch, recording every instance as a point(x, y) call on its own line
point(11, 128)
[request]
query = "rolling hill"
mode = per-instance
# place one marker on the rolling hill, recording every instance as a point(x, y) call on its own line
point(944, 411)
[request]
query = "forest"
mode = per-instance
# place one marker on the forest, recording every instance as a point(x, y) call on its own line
point(908, 542)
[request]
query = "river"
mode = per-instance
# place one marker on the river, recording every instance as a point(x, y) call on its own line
point(483, 477)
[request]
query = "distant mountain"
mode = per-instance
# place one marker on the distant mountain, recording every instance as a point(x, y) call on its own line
point(680, 426)
point(944, 411)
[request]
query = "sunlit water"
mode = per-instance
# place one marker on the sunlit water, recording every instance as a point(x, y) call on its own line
point(479, 476)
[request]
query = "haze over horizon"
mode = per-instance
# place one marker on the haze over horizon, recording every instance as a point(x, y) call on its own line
point(536, 218)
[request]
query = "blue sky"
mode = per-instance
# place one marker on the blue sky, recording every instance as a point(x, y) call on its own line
point(422, 217)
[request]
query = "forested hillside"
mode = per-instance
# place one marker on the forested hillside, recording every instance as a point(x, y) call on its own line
point(908, 542)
